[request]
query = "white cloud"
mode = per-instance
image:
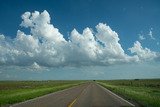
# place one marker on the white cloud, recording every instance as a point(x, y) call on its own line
point(141, 37)
point(35, 66)
point(40, 26)
point(111, 51)
point(83, 45)
point(2, 37)
point(46, 46)
point(110, 39)
point(142, 53)
point(151, 34)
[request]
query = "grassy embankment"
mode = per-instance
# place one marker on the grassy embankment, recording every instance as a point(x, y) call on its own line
point(144, 92)
point(17, 91)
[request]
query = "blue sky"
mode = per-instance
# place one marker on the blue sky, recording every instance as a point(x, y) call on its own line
point(127, 18)
point(131, 20)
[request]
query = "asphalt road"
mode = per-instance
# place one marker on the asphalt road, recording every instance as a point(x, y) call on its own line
point(86, 95)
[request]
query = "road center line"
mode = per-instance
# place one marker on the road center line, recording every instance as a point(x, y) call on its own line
point(71, 104)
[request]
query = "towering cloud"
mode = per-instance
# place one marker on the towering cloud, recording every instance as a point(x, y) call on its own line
point(46, 46)
point(142, 53)
point(39, 24)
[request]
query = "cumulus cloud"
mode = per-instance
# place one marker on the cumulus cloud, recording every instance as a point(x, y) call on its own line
point(46, 46)
point(39, 24)
point(2, 37)
point(142, 53)
point(35, 66)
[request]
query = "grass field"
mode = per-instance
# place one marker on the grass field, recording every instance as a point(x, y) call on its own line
point(144, 92)
point(17, 91)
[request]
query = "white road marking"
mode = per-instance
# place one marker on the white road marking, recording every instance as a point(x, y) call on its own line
point(116, 95)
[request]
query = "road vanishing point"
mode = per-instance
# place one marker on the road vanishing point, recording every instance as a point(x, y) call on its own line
point(85, 95)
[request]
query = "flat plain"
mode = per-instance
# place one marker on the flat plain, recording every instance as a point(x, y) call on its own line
point(145, 92)
point(18, 91)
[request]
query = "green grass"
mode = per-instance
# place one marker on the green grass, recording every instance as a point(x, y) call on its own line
point(145, 92)
point(17, 91)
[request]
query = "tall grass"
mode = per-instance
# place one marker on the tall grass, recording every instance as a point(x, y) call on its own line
point(147, 95)
point(26, 90)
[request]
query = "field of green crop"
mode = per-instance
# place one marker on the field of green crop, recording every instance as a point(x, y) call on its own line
point(18, 91)
point(144, 92)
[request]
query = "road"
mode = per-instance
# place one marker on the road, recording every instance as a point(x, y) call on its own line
point(86, 95)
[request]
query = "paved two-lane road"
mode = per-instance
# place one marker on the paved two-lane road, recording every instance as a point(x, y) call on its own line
point(86, 95)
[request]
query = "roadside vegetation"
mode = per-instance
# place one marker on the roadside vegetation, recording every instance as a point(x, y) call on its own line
point(17, 91)
point(144, 92)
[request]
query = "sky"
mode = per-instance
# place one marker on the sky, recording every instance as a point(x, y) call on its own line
point(82, 39)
